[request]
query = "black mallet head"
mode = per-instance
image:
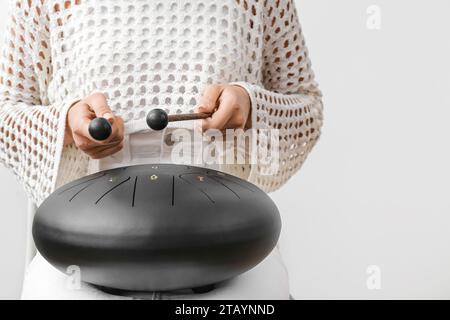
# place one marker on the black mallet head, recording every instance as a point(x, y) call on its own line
point(157, 119)
point(100, 129)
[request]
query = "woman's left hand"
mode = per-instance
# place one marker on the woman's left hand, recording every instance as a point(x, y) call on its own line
point(230, 105)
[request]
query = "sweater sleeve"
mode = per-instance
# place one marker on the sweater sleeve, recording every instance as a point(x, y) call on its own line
point(287, 106)
point(31, 129)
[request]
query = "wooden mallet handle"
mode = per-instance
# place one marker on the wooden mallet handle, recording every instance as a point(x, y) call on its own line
point(158, 119)
point(188, 116)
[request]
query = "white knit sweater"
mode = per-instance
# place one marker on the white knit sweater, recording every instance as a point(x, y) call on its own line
point(144, 54)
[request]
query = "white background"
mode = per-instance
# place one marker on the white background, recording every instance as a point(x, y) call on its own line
point(375, 191)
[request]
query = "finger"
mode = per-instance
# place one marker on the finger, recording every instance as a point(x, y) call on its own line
point(93, 148)
point(99, 105)
point(83, 119)
point(210, 99)
point(88, 146)
point(119, 125)
point(107, 152)
point(237, 121)
point(220, 118)
point(118, 128)
point(82, 142)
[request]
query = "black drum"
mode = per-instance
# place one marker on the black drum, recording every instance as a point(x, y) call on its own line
point(157, 227)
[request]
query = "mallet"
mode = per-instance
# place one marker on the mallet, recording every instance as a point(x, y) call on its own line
point(157, 119)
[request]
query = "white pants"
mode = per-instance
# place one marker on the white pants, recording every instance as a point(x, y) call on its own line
point(268, 280)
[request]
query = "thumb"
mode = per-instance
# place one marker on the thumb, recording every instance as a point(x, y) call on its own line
point(97, 102)
point(210, 99)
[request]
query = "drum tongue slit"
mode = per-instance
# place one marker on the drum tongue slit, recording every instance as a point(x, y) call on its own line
point(117, 185)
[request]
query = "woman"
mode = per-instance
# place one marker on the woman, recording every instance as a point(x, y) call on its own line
point(65, 62)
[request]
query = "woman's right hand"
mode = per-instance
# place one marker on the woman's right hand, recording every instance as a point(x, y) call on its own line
point(78, 118)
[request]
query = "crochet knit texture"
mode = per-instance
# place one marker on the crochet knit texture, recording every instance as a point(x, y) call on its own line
point(145, 54)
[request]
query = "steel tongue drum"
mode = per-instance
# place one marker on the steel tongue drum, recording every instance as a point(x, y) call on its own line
point(157, 227)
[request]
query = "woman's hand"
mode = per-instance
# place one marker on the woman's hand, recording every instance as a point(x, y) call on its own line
point(230, 105)
point(78, 119)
